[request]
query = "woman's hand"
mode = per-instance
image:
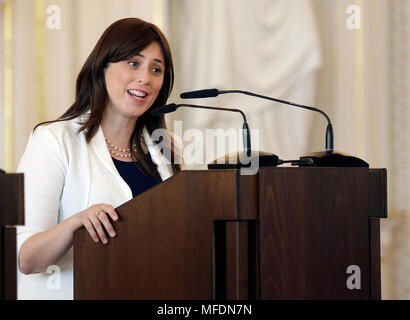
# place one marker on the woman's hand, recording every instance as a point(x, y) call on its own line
point(48, 247)
point(95, 220)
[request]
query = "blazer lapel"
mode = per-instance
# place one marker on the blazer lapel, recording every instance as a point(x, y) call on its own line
point(100, 148)
point(163, 165)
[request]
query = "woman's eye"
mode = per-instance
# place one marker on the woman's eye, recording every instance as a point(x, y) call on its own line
point(156, 70)
point(133, 63)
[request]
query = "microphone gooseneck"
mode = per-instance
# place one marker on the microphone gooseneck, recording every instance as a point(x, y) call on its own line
point(329, 129)
point(209, 93)
point(173, 107)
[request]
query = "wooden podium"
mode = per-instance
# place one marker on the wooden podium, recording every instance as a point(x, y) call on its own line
point(11, 214)
point(284, 233)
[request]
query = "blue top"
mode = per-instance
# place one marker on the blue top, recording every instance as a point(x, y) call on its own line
point(135, 177)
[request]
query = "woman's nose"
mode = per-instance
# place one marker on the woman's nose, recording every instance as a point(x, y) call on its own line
point(143, 77)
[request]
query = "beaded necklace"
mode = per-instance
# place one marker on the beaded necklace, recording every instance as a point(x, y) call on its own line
point(119, 152)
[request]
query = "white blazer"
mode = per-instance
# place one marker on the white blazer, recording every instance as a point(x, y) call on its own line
point(63, 175)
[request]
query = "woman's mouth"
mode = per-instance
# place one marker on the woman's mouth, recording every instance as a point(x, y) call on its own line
point(137, 95)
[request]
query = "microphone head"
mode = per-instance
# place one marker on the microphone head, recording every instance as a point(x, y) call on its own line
point(164, 109)
point(206, 93)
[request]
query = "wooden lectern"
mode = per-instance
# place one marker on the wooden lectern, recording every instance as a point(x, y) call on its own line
point(284, 233)
point(11, 214)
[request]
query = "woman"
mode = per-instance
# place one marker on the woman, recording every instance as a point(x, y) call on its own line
point(96, 156)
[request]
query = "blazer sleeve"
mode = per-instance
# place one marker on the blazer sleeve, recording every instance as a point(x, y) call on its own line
point(44, 165)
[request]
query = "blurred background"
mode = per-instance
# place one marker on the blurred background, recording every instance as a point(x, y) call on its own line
point(348, 57)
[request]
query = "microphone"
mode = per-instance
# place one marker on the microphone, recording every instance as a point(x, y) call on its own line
point(209, 93)
point(164, 109)
point(265, 159)
point(321, 158)
point(206, 93)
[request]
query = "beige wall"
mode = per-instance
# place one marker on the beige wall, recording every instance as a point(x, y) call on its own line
point(355, 94)
point(2, 144)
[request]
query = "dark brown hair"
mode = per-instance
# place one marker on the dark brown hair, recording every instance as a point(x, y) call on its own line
point(122, 40)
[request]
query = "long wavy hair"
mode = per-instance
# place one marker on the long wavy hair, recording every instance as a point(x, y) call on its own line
point(122, 40)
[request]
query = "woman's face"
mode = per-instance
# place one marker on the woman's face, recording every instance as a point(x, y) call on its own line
point(134, 84)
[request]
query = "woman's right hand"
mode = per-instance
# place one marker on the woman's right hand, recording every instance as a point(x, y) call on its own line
point(95, 220)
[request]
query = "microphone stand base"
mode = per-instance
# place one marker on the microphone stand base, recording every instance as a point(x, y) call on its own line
point(236, 160)
point(330, 158)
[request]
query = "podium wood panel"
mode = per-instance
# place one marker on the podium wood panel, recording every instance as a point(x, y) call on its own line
point(11, 214)
point(285, 233)
point(12, 199)
point(313, 225)
point(175, 264)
